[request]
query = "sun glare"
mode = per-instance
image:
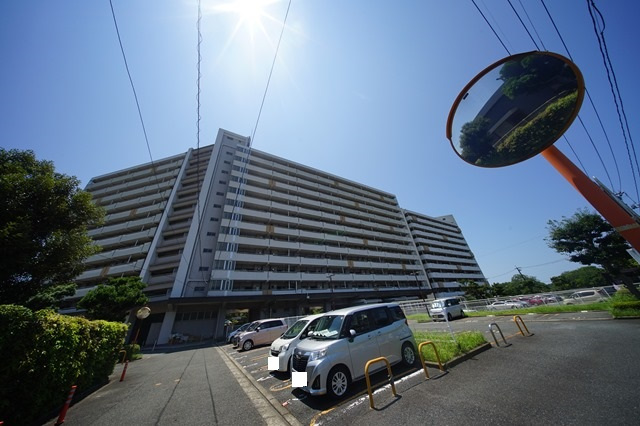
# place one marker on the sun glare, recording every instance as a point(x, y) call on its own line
point(250, 13)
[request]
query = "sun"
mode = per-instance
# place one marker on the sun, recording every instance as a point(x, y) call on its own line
point(250, 13)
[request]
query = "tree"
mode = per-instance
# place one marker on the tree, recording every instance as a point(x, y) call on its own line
point(520, 284)
point(587, 276)
point(111, 301)
point(43, 230)
point(473, 290)
point(588, 239)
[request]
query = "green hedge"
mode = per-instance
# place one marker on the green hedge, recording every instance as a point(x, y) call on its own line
point(43, 354)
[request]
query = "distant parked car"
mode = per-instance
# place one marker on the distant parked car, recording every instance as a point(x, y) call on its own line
point(446, 309)
point(261, 332)
point(237, 331)
point(505, 305)
point(586, 296)
point(545, 299)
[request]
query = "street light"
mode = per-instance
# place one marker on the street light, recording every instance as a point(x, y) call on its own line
point(330, 276)
point(142, 313)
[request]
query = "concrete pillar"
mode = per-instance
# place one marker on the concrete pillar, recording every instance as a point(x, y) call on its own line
point(167, 327)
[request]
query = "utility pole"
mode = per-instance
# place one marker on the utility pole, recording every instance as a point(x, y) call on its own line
point(520, 272)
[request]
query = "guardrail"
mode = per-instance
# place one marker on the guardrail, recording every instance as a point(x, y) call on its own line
point(390, 377)
point(491, 326)
point(424, 365)
point(515, 319)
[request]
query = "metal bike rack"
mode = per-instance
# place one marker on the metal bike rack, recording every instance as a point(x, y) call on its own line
point(366, 375)
point(491, 326)
point(515, 319)
point(424, 365)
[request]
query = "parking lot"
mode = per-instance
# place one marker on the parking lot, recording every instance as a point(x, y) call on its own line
point(577, 369)
point(324, 410)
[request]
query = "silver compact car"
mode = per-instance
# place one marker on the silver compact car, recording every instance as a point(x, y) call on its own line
point(344, 340)
point(284, 345)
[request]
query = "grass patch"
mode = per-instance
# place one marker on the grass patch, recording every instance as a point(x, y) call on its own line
point(419, 317)
point(547, 309)
point(447, 347)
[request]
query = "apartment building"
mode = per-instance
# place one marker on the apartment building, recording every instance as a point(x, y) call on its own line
point(227, 227)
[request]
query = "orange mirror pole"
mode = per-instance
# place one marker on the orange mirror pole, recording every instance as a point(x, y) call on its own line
point(617, 216)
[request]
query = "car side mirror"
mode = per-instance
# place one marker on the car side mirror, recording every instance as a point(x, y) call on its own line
point(352, 333)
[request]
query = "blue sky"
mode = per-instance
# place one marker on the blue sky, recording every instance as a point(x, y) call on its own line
point(361, 89)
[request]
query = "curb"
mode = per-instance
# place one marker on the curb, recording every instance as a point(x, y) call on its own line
point(455, 361)
point(286, 415)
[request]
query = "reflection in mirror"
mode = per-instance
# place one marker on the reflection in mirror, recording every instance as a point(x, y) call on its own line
point(516, 109)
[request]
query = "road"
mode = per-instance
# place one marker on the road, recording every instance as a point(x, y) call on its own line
point(578, 368)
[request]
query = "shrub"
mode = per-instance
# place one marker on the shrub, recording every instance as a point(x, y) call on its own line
point(45, 353)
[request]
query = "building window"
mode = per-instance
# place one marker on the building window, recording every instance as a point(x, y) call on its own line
point(217, 206)
point(207, 250)
point(203, 268)
point(219, 193)
point(214, 219)
point(211, 234)
point(224, 182)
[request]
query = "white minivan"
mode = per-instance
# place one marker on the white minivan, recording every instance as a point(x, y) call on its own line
point(344, 340)
point(446, 309)
point(284, 345)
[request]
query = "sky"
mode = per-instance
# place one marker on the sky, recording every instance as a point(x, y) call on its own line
point(360, 89)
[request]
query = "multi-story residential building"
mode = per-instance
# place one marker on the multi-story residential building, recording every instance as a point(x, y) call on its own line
point(227, 227)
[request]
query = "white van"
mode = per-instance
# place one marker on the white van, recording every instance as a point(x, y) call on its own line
point(446, 309)
point(344, 340)
point(284, 345)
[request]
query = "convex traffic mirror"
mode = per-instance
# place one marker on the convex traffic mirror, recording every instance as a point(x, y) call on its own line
point(515, 109)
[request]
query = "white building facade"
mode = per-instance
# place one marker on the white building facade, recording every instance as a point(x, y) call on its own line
point(226, 227)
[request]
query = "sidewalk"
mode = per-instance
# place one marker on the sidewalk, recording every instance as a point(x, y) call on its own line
point(189, 385)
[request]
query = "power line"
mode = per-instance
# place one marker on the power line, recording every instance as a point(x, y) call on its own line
point(135, 95)
point(602, 44)
point(523, 25)
point(491, 26)
point(566, 48)
point(532, 25)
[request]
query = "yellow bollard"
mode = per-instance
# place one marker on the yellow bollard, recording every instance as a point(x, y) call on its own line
point(366, 375)
point(515, 319)
point(424, 366)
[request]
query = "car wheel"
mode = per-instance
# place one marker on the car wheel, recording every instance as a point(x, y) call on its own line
point(338, 381)
point(449, 317)
point(247, 345)
point(408, 354)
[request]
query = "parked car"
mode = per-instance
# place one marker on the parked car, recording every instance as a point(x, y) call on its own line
point(504, 305)
point(545, 299)
point(261, 332)
point(284, 345)
point(237, 331)
point(446, 309)
point(344, 340)
point(586, 296)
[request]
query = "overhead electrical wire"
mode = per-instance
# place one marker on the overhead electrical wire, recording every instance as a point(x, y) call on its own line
point(553, 22)
point(491, 26)
point(532, 25)
point(523, 25)
point(135, 95)
point(617, 97)
point(133, 87)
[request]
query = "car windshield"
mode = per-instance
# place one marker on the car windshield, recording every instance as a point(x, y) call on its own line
point(328, 327)
point(253, 326)
point(294, 330)
point(436, 305)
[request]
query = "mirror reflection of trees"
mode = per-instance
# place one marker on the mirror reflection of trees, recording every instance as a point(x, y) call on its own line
point(526, 114)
